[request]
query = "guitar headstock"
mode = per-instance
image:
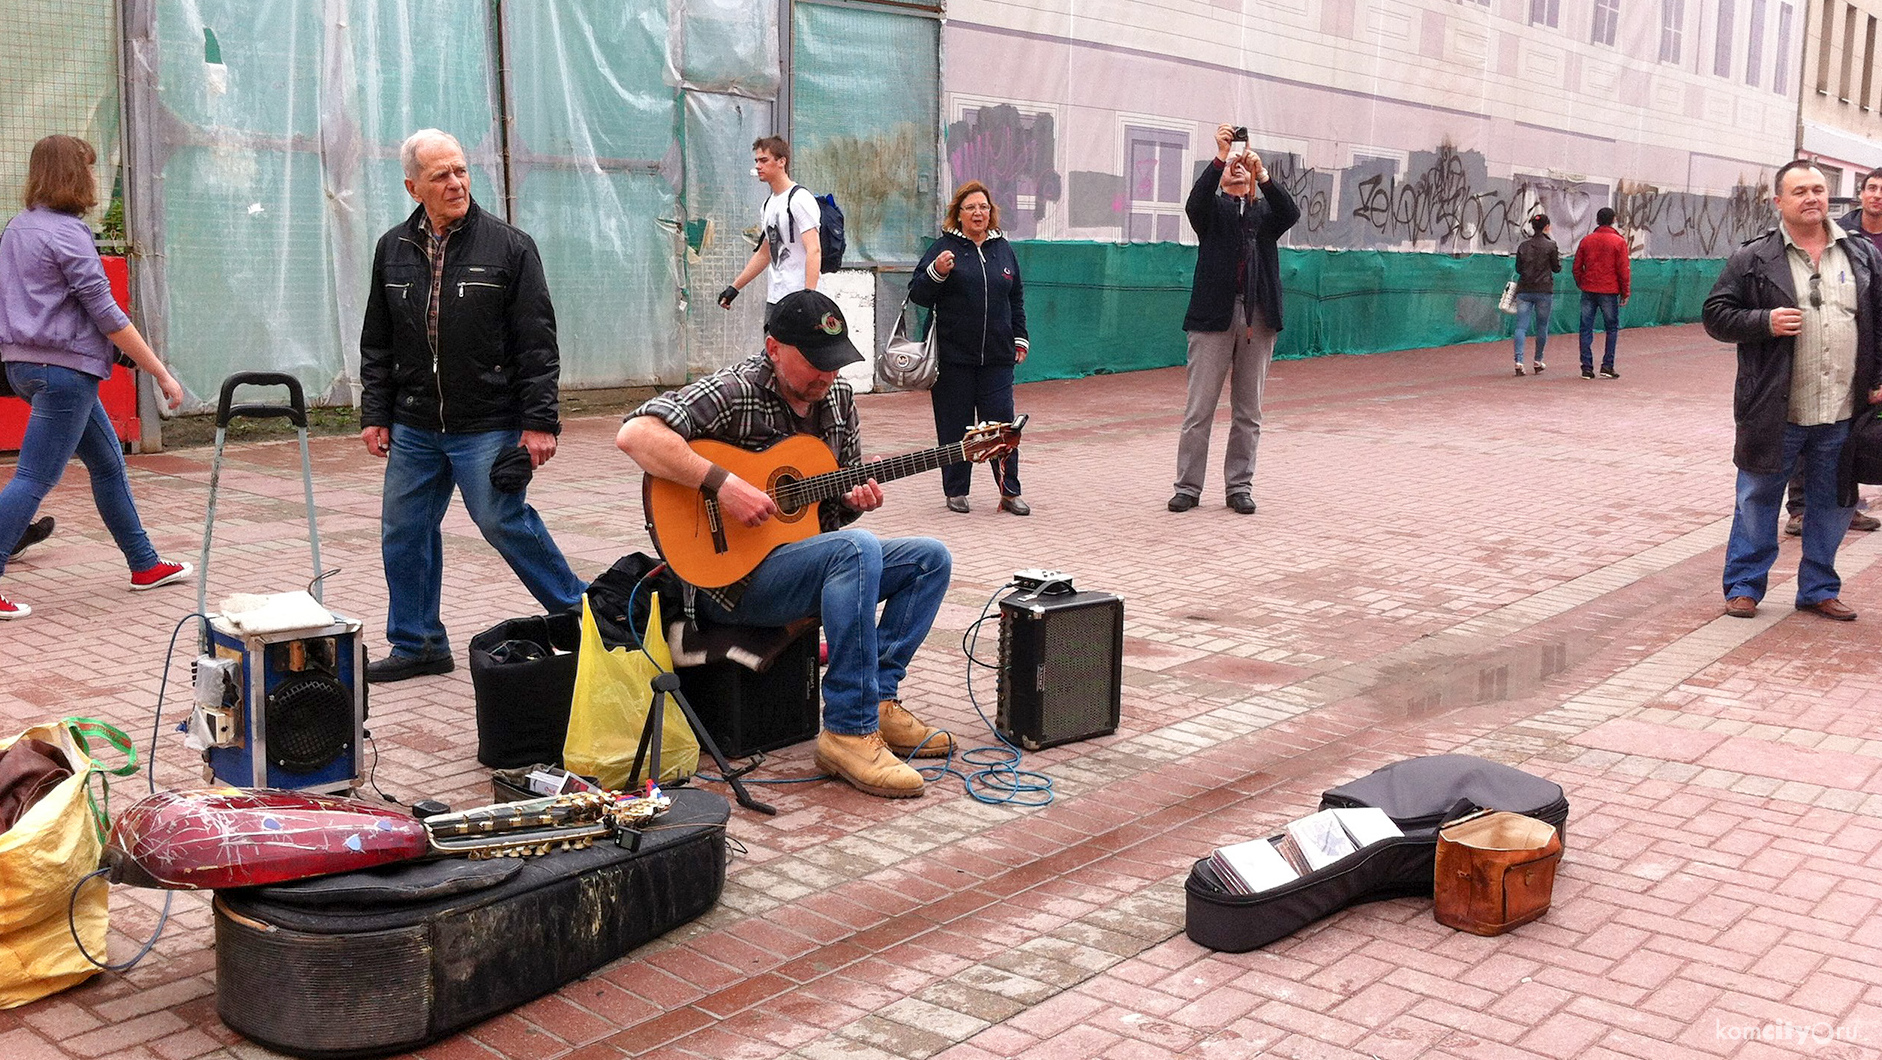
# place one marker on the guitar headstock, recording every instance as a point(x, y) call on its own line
point(990, 441)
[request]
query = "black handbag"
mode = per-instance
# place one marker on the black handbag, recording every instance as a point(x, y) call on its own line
point(1861, 459)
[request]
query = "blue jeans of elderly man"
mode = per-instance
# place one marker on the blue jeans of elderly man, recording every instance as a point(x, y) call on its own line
point(1752, 547)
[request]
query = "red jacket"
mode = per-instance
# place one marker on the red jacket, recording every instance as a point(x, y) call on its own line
point(1601, 262)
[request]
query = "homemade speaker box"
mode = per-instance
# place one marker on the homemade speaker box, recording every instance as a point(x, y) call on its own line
point(1419, 795)
point(1061, 667)
point(385, 960)
point(283, 710)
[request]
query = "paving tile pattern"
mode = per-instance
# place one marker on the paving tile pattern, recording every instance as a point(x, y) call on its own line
point(1445, 559)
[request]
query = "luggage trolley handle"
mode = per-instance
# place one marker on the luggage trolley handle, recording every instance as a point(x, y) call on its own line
point(227, 409)
point(295, 410)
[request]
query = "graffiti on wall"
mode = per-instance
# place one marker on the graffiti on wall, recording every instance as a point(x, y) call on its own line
point(1012, 154)
point(1713, 224)
point(1443, 199)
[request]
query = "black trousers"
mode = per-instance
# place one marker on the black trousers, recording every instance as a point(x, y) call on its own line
point(964, 395)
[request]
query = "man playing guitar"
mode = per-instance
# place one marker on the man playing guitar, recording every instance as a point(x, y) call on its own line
point(839, 575)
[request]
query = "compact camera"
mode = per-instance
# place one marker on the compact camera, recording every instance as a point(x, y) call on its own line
point(1239, 134)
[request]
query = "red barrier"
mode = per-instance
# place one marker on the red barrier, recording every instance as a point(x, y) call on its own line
point(119, 392)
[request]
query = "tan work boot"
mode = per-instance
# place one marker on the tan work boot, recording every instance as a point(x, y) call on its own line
point(868, 764)
point(903, 731)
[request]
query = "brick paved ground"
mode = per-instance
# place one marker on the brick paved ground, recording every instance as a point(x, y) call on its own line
point(1446, 559)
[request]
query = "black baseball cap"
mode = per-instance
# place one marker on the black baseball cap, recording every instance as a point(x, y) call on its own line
point(813, 323)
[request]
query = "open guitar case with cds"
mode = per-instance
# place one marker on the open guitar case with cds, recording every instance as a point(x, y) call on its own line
point(385, 960)
point(1418, 794)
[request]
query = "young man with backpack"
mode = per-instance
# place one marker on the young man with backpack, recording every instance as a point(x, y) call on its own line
point(796, 251)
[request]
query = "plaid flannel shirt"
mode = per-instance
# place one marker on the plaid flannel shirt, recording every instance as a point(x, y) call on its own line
point(740, 405)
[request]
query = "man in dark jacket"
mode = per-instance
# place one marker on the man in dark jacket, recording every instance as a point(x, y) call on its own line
point(1602, 273)
point(458, 364)
point(1234, 316)
point(1865, 221)
point(1803, 302)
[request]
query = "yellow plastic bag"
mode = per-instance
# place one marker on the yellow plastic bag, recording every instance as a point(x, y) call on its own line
point(42, 857)
point(613, 692)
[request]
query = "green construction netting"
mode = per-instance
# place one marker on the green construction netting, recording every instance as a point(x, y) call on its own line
point(595, 127)
point(728, 46)
point(1109, 307)
point(279, 171)
point(722, 202)
point(880, 159)
point(58, 74)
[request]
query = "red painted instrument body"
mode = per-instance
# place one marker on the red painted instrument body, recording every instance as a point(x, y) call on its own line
point(214, 838)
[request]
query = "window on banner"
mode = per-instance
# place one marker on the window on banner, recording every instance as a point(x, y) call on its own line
point(1157, 179)
point(1607, 15)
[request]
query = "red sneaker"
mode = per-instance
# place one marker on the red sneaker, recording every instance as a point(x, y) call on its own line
point(9, 609)
point(163, 573)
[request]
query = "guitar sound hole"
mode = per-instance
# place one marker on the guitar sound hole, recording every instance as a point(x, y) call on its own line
point(783, 477)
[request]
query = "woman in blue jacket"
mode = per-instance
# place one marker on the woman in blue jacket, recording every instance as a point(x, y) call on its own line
point(970, 279)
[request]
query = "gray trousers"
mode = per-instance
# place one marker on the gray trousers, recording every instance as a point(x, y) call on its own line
point(1213, 357)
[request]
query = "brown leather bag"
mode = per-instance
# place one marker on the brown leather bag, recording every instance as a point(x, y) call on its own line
point(1495, 871)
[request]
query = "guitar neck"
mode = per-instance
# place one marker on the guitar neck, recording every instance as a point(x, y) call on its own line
point(842, 480)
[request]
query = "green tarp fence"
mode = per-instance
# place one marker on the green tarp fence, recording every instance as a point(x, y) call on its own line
point(1112, 307)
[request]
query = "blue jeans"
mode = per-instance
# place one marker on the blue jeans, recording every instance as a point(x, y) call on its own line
point(840, 577)
point(1536, 308)
point(1609, 306)
point(1752, 547)
point(421, 470)
point(69, 419)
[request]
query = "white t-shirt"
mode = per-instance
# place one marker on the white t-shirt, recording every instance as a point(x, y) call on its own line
point(787, 255)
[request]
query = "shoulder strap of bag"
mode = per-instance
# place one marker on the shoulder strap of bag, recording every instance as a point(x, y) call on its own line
point(115, 738)
point(789, 217)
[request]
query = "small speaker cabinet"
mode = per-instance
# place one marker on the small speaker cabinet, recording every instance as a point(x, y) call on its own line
point(748, 711)
point(1061, 667)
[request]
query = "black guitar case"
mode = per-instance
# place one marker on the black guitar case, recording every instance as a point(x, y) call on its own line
point(1418, 794)
point(386, 960)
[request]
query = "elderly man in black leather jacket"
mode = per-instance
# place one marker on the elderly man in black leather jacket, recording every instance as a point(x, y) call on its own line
point(1804, 304)
point(459, 365)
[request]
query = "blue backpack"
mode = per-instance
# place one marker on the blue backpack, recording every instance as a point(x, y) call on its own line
point(829, 230)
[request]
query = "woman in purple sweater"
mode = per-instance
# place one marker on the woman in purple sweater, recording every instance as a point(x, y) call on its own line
point(58, 324)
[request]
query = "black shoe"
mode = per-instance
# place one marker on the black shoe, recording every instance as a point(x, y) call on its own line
point(396, 667)
point(36, 531)
point(1241, 504)
point(1182, 502)
point(1609, 373)
point(1587, 373)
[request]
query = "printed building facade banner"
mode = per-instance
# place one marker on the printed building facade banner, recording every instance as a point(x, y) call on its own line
point(260, 140)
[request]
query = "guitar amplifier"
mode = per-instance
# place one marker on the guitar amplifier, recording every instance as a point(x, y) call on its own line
point(1061, 667)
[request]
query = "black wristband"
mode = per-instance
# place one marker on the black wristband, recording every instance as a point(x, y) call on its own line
point(715, 477)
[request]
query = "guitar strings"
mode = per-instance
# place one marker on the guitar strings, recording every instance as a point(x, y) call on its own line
point(801, 492)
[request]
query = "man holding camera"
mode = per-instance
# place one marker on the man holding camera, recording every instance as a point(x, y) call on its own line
point(1234, 313)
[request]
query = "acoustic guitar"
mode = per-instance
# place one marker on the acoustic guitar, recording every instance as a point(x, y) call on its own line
point(709, 550)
